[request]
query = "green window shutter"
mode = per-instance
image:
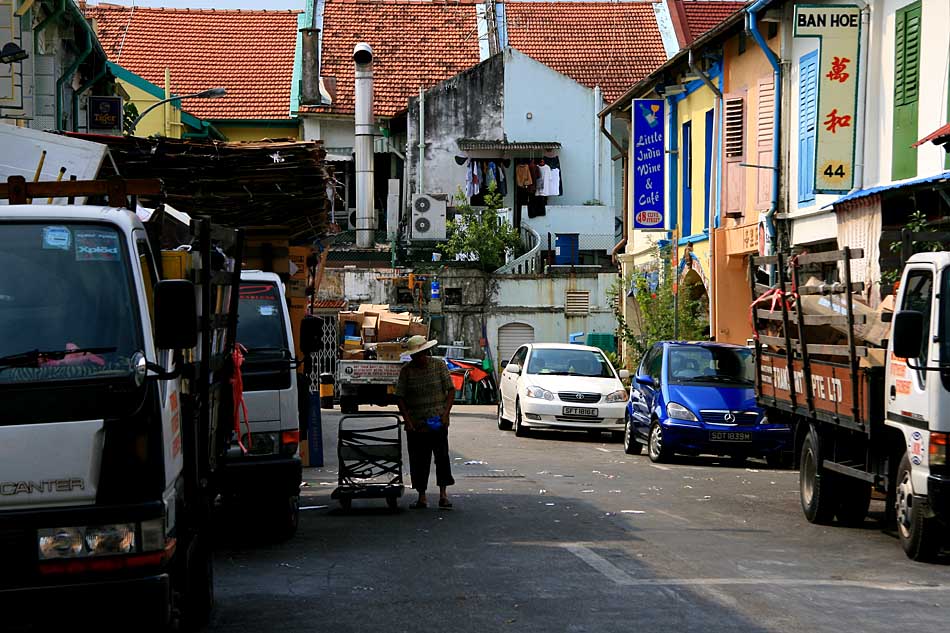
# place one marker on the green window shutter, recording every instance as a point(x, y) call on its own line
point(906, 90)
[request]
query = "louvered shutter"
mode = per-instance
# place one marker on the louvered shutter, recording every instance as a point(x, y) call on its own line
point(906, 91)
point(734, 150)
point(765, 135)
point(807, 125)
point(577, 302)
point(511, 336)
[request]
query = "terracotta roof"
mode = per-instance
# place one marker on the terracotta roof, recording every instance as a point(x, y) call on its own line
point(608, 44)
point(249, 53)
point(702, 15)
point(415, 43)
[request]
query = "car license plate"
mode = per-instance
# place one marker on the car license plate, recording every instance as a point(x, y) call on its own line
point(730, 436)
point(583, 411)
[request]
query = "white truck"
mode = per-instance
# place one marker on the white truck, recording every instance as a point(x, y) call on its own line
point(863, 425)
point(115, 384)
point(262, 466)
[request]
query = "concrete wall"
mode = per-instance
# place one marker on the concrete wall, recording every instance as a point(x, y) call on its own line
point(237, 131)
point(334, 132)
point(469, 105)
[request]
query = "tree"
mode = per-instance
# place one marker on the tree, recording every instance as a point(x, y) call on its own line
point(129, 114)
point(652, 319)
point(480, 234)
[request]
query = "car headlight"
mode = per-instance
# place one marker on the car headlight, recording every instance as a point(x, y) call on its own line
point(539, 392)
point(110, 539)
point(678, 412)
point(618, 396)
point(60, 543)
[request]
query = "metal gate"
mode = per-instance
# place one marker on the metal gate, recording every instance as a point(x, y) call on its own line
point(511, 336)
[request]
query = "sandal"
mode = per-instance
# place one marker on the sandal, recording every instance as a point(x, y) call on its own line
point(418, 505)
point(445, 503)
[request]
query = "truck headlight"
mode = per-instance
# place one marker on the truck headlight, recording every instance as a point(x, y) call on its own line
point(618, 396)
point(678, 412)
point(60, 543)
point(538, 392)
point(110, 539)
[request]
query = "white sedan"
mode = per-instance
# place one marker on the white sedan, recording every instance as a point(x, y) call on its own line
point(552, 385)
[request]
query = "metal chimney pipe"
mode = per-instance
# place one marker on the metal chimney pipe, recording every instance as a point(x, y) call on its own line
point(365, 234)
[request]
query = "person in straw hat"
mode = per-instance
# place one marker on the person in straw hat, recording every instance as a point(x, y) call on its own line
point(425, 395)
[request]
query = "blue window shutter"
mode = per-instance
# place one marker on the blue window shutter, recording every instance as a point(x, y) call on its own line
point(807, 125)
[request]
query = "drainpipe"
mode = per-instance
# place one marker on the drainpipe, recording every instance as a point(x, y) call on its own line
point(752, 12)
point(596, 160)
point(49, 19)
point(712, 209)
point(622, 244)
point(862, 96)
point(68, 76)
point(422, 140)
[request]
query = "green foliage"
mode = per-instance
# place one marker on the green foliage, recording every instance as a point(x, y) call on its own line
point(481, 233)
point(916, 223)
point(129, 114)
point(652, 319)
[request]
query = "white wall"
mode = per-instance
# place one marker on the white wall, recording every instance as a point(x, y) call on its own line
point(333, 132)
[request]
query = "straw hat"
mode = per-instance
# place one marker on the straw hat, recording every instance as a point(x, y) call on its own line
point(418, 343)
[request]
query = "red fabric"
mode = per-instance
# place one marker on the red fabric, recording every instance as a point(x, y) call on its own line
point(237, 385)
point(475, 374)
point(458, 380)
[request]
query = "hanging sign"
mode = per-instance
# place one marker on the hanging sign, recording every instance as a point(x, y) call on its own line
point(648, 164)
point(838, 27)
point(105, 113)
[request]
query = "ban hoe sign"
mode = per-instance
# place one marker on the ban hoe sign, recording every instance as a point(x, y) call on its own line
point(838, 28)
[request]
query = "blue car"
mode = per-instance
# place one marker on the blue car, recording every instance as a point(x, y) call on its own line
point(693, 398)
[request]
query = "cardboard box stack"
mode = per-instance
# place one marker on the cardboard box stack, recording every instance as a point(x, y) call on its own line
point(374, 328)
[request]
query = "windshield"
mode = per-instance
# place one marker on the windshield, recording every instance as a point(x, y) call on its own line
point(695, 364)
point(569, 362)
point(261, 320)
point(65, 288)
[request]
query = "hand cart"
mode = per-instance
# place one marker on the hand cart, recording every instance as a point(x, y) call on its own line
point(370, 456)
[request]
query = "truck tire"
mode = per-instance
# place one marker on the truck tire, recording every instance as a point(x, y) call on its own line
point(919, 534)
point(196, 599)
point(817, 491)
point(287, 518)
point(349, 405)
point(854, 499)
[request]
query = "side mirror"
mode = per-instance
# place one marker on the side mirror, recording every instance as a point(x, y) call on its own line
point(310, 329)
point(907, 333)
point(624, 374)
point(514, 368)
point(504, 364)
point(646, 381)
point(176, 314)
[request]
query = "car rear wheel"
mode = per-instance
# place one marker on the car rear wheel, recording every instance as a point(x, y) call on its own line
point(659, 451)
point(503, 424)
point(630, 444)
point(520, 429)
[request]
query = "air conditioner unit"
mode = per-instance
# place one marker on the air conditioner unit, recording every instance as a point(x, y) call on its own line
point(428, 218)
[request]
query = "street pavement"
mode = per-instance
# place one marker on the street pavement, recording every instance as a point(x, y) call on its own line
point(564, 532)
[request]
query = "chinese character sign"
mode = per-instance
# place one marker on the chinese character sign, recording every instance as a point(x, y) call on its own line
point(838, 27)
point(647, 166)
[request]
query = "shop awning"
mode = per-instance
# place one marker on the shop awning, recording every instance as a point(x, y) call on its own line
point(470, 144)
point(940, 136)
point(901, 184)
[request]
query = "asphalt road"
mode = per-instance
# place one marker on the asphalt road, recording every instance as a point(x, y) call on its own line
point(562, 532)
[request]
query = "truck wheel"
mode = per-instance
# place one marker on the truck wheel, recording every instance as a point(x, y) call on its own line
point(630, 444)
point(817, 490)
point(287, 518)
point(855, 496)
point(349, 405)
point(503, 424)
point(918, 533)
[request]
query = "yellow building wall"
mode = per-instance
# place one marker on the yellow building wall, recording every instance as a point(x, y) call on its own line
point(256, 133)
point(154, 121)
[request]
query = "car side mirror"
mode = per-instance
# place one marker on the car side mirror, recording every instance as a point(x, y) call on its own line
point(504, 364)
point(310, 328)
point(646, 381)
point(624, 374)
point(176, 315)
point(514, 368)
point(907, 333)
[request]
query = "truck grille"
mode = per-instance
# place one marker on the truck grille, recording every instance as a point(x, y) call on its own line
point(740, 418)
point(576, 396)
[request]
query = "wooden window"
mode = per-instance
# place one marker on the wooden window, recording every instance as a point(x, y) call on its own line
point(764, 138)
point(807, 126)
point(906, 90)
point(734, 149)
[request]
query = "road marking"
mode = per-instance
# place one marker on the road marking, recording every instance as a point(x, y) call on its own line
point(658, 467)
point(620, 577)
point(602, 450)
point(672, 516)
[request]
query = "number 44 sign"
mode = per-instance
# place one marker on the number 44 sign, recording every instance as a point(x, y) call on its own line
point(838, 29)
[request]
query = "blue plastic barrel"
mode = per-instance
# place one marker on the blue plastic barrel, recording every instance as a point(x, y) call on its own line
point(566, 246)
point(436, 289)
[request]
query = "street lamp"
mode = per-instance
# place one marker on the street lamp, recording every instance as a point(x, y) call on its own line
point(211, 93)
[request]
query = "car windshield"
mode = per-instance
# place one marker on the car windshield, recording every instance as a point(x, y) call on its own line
point(700, 364)
point(66, 306)
point(261, 321)
point(569, 362)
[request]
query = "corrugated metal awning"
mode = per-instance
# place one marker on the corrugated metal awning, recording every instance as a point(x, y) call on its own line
point(470, 144)
point(901, 184)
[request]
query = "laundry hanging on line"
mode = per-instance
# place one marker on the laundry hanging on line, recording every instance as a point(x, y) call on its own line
point(480, 173)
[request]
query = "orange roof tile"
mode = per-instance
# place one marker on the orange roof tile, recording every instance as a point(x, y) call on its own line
point(702, 15)
point(415, 43)
point(249, 53)
point(608, 44)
